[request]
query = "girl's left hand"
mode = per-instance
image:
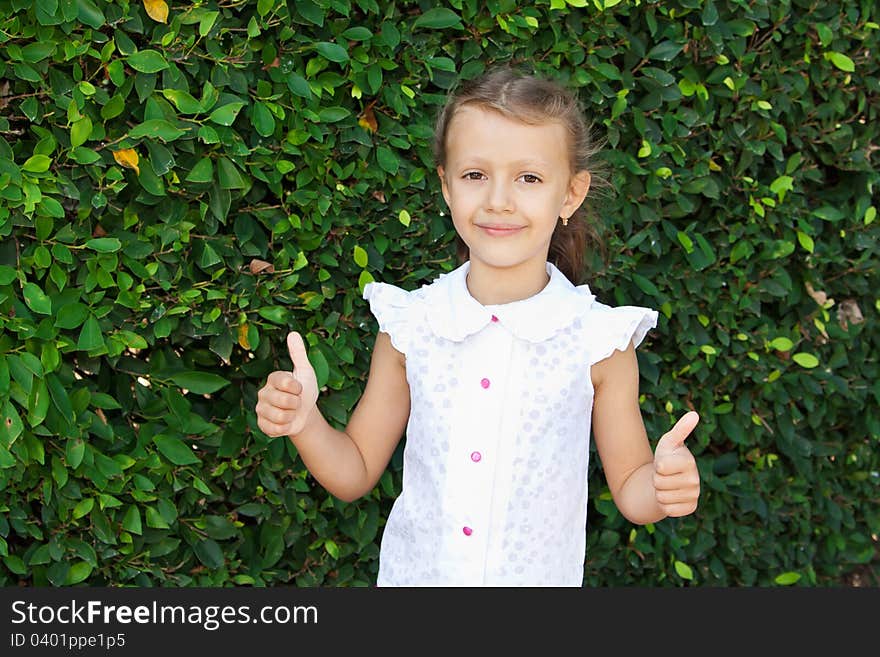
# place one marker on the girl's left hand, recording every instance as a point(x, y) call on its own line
point(676, 478)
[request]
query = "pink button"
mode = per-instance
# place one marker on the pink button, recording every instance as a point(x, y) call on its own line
point(467, 531)
point(476, 456)
point(494, 319)
point(485, 383)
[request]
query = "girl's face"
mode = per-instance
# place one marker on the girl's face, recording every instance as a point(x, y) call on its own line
point(507, 184)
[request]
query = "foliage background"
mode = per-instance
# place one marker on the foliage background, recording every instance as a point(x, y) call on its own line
point(178, 192)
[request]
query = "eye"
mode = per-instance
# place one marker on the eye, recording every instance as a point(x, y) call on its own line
point(473, 175)
point(530, 178)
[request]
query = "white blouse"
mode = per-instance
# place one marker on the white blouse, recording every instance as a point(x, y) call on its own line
point(497, 443)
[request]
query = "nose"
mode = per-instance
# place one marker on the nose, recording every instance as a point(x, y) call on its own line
point(500, 197)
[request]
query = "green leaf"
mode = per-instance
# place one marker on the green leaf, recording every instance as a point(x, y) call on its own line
point(202, 172)
point(228, 175)
point(7, 274)
point(60, 398)
point(201, 383)
point(298, 85)
point(147, 61)
point(782, 185)
point(183, 101)
point(74, 452)
point(805, 241)
point(90, 337)
point(36, 299)
point(156, 129)
point(841, 61)
point(83, 508)
point(175, 450)
point(80, 131)
point(404, 217)
point(264, 122)
point(332, 51)
point(788, 578)
point(357, 33)
point(645, 285)
point(437, 18)
point(387, 159)
point(154, 519)
point(37, 164)
point(82, 155)
point(275, 314)
point(11, 425)
point(78, 572)
point(806, 360)
point(781, 344)
point(364, 279)
point(209, 553)
point(104, 244)
point(88, 13)
point(665, 51)
point(360, 256)
point(37, 52)
point(310, 11)
point(829, 213)
point(684, 571)
point(132, 521)
point(333, 114)
point(226, 114)
point(320, 365)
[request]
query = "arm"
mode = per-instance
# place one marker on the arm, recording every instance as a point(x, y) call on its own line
point(646, 486)
point(347, 463)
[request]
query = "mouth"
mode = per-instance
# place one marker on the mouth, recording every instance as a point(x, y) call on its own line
point(500, 230)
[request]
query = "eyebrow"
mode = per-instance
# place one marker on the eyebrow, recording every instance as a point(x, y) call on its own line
point(516, 164)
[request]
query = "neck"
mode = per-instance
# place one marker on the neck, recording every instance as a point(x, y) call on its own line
point(498, 285)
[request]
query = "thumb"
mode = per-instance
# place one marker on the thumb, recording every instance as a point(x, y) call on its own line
point(297, 349)
point(675, 437)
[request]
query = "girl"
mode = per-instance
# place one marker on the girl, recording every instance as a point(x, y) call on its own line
point(496, 369)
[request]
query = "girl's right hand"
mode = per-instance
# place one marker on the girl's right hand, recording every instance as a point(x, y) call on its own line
point(288, 398)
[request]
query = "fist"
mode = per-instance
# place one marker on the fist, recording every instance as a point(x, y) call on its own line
point(286, 401)
point(676, 478)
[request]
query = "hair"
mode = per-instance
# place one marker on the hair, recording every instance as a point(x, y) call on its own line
point(534, 100)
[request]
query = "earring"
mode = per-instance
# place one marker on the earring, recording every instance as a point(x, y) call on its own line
point(565, 221)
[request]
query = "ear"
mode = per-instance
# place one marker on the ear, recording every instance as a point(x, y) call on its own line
point(577, 192)
point(443, 186)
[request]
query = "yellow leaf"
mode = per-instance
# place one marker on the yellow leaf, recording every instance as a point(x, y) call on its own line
point(243, 336)
point(367, 120)
point(157, 10)
point(127, 157)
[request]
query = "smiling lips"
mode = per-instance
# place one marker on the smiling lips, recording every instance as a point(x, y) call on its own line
point(499, 230)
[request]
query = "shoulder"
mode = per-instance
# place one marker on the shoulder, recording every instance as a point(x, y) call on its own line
point(619, 363)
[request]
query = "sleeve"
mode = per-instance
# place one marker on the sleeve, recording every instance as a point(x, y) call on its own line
point(391, 306)
point(613, 328)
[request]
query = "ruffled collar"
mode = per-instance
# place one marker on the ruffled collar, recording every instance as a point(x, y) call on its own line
point(454, 314)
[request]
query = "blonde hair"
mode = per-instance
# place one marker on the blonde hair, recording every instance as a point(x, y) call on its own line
point(534, 100)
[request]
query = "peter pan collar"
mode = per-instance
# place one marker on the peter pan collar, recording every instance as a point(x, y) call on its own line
point(454, 314)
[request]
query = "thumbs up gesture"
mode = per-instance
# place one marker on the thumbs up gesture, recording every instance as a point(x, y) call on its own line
point(676, 479)
point(287, 399)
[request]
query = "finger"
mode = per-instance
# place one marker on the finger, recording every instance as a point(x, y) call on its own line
point(679, 496)
point(284, 381)
point(297, 350)
point(675, 437)
point(275, 415)
point(272, 429)
point(678, 510)
point(674, 463)
point(685, 481)
point(282, 400)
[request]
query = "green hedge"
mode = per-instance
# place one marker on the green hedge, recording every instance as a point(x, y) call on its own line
point(283, 161)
